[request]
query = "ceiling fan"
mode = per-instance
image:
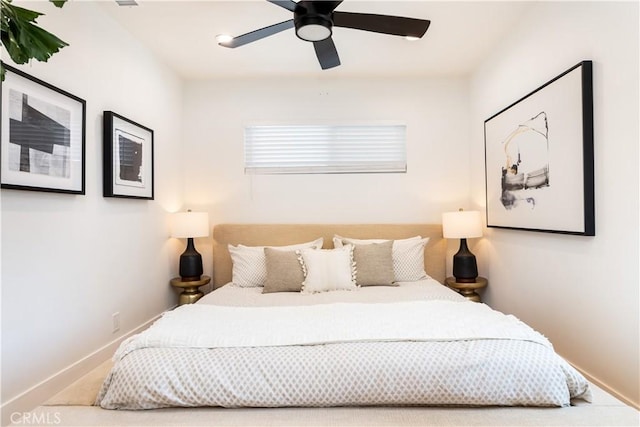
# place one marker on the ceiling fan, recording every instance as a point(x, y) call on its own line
point(313, 21)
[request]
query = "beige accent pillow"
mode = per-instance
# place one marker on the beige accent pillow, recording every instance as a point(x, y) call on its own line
point(374, 264)
point(249, 266)
point(407, 254)
point(284, 272)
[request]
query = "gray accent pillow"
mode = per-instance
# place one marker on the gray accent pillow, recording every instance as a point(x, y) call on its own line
point(284, 272)
point(374, 264)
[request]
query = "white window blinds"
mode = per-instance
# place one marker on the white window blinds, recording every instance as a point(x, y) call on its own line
point(325, 149)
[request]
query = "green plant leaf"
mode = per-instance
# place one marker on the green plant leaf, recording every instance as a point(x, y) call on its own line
point(29, 41)
point(19, 13)
point(10, 40)
point(40, 44)
point(24, 40)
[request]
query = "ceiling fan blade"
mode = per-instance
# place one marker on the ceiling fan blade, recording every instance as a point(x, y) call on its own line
point(258, 34)
point(327, 53)
point(325, 7)
point(287, 4)
point(385, 24)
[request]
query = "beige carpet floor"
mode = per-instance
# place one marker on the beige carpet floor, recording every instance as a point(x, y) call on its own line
point(73, 407)
point(84, 391)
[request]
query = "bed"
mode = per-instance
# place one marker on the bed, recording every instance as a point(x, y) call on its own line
point(326, 316)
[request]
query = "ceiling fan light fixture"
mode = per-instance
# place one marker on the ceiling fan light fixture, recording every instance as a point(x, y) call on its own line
point(224, 38)
point(313, 28)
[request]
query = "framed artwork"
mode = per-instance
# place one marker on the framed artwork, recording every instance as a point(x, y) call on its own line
point(128, 158)
point(539, 158)
point(42, 136)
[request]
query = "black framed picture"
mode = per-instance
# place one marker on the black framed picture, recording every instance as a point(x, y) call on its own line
point(128, 158)
point(42, 136)
point(539, 158)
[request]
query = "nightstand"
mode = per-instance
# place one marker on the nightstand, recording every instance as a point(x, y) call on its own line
point(468, 290)
point(190, 292)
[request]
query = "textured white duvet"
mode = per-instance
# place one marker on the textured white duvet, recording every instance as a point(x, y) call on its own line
point(416, 344)
point(192, 325)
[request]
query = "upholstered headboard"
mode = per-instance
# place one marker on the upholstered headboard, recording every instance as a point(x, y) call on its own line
point(287, 234)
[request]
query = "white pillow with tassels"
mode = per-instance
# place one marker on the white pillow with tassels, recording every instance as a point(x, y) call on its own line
point(328, 269)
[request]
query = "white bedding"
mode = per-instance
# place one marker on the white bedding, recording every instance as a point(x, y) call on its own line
point(423, 344)
point(426, 289)
point(189, 326)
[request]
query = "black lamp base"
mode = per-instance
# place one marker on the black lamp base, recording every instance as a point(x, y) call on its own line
point(465, 268)
point(190, 263)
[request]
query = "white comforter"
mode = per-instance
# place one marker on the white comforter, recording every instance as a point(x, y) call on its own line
point(191, 325)
point(417, 344)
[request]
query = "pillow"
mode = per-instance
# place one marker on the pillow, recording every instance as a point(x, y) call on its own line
point(374, 264)
point(284, 272)
point(407, 254)
point(249, 264)
point(408, 259)
point(327, 269)
point(339, 241)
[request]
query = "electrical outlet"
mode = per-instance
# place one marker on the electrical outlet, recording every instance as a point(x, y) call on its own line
point(115, 317)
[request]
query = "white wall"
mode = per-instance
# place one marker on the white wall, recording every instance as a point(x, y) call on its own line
point(581, 292)
point(70, 261)
point(436, 114)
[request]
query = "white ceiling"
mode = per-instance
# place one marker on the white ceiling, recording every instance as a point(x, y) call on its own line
point(182, 33)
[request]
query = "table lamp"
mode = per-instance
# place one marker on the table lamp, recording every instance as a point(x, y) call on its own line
point(187, 225)
point(463, 225)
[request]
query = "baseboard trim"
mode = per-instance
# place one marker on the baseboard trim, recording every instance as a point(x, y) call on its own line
point(41, 392)
point(607, 388)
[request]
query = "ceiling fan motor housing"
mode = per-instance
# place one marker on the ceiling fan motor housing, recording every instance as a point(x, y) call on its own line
point(311, 24)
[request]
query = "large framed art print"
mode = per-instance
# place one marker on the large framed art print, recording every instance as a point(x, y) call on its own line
point(128, 158)
point(42, 136)
point(539, 158)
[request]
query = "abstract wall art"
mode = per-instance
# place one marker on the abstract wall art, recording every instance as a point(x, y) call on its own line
point(539, 158)
point(43, 136)
point(128, 158)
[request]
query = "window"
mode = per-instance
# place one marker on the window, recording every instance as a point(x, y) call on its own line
point(325, 149)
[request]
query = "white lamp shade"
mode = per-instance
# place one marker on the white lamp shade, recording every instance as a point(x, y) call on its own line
point(461, 224)
point(190, 224)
